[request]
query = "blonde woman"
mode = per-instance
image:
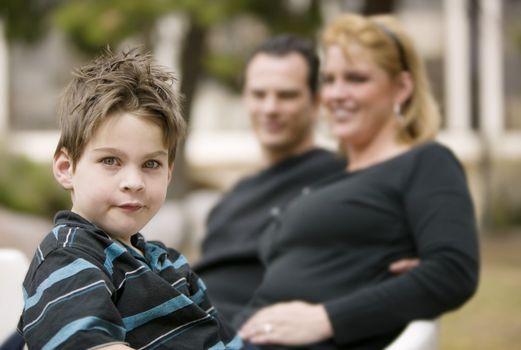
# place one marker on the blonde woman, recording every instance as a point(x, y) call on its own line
point(327, 283)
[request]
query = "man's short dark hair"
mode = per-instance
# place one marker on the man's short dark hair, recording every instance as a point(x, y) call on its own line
point(285, 44)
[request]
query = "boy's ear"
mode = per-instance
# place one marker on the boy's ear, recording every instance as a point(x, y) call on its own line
point(62, 169)
point(170, 172)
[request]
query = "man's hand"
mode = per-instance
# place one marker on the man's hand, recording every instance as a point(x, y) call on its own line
point(403, 265)
point(290, 323)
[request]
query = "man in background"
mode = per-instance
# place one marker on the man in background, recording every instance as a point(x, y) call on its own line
point(280, 93)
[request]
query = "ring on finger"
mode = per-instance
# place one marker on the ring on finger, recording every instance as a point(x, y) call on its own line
point(267, 328)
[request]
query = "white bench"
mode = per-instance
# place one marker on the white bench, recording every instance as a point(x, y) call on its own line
point(419, 335)
point(13, 267)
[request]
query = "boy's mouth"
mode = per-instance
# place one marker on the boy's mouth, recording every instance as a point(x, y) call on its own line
point(131, 206)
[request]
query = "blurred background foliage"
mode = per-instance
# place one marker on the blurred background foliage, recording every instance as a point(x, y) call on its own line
point(92, 25)
point(489, 321)
point(25, 19)
point(30, 187)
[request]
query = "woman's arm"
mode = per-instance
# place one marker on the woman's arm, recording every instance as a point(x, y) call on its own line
point(439, 210)
point(297, 322)
point(438, 207)
point(290, 323)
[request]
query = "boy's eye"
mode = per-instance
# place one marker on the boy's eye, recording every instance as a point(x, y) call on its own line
point(109, 161)
point(151, 164)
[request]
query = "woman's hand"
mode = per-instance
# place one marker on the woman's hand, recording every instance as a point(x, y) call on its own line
point(289, 323)
point(404, 265)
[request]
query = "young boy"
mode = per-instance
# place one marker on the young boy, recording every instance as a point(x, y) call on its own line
point(95, 282)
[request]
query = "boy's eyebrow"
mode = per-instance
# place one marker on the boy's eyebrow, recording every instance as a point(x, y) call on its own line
point(117, 151)
point(157, 153)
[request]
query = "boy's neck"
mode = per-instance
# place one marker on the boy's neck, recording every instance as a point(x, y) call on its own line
point(130, 246)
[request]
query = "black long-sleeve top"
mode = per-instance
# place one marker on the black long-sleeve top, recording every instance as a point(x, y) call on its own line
point(334, 246)
point(230, 265)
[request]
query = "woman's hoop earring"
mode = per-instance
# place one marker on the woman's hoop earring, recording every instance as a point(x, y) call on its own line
point(397, 111)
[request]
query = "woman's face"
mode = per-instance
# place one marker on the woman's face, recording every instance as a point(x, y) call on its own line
point(358, 96)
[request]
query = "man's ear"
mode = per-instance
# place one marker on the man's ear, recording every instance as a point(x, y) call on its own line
point(63, 169)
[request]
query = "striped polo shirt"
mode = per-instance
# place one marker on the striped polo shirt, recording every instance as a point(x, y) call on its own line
point(84, 289)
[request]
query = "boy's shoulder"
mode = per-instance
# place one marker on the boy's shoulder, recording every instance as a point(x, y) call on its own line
point(70, 231)
point(71, 239)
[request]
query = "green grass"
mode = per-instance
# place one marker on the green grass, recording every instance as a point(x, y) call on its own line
point(492, 319)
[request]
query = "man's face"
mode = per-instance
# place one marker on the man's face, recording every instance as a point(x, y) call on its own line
point(281, 107)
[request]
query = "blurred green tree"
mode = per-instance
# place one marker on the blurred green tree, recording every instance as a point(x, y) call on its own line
point(29, 187)
point(25, 20)
point(93, 25)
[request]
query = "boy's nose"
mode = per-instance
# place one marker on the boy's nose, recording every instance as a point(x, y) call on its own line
point(132, 181)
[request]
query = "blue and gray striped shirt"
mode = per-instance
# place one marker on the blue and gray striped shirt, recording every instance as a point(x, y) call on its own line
point(84, 289)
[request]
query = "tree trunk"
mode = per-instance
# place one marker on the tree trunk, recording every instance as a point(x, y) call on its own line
point(191, 68)
point(373, 7)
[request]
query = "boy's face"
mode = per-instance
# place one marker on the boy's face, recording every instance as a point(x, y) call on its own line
point(121, 179)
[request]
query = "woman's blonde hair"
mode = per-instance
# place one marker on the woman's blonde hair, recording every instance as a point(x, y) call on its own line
point(393, 50)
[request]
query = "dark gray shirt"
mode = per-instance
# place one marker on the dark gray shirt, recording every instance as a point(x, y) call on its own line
point(230, 264)
point(334, 246)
